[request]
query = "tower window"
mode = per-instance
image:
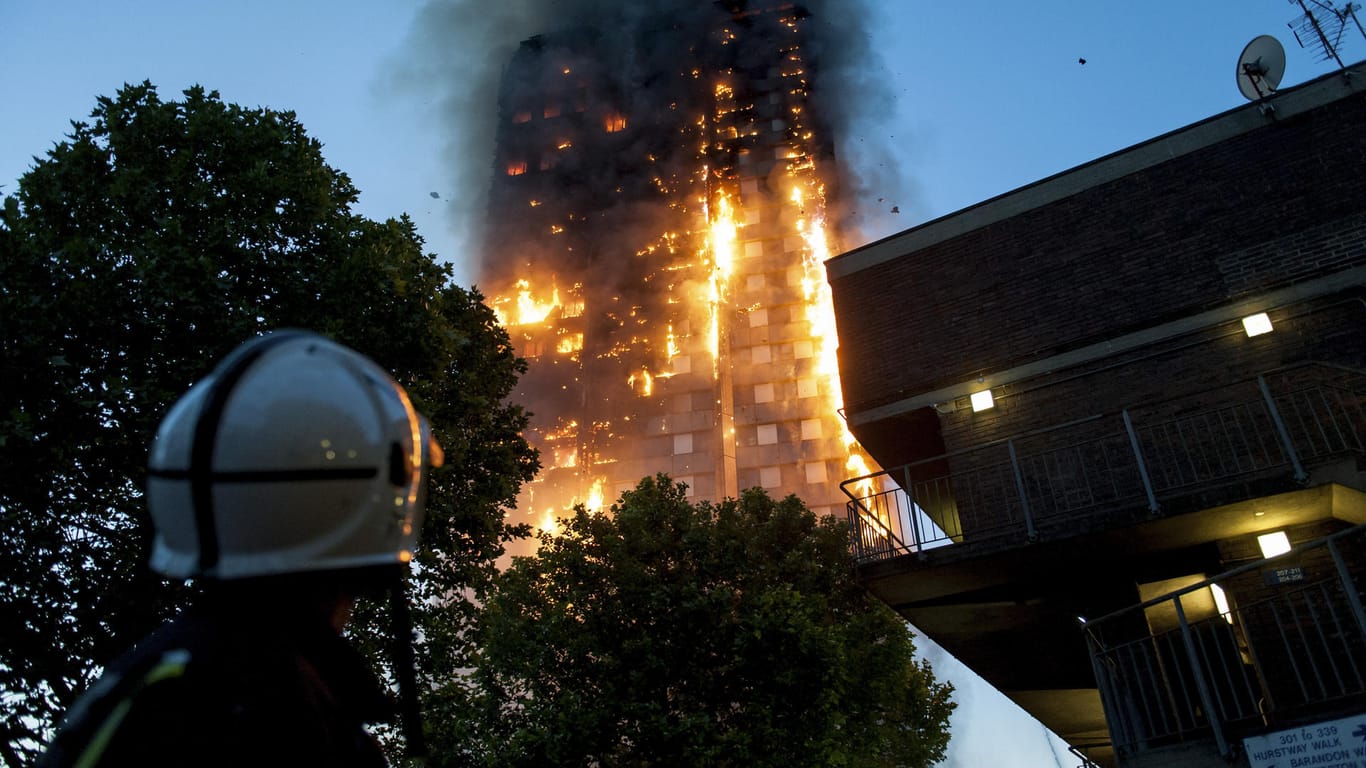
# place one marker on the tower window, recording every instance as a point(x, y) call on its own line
point(815, 472)
point(767, 434)
point(811, 429)
point(764, 393)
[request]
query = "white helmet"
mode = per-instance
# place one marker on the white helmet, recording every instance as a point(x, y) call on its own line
point(295, 454)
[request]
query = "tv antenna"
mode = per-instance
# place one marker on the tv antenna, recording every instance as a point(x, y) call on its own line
point(1260, 67)
point(1322, 32)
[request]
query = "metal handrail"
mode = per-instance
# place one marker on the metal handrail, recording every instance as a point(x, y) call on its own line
point(1226, 575)
point(1125, 470)
point(1234, 674)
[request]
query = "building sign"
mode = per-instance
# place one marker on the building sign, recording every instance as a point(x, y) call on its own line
point(1331, 744)
point(1283, 575)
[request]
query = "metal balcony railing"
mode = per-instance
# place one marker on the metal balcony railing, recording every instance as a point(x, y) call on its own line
point(1286, 652)
point(1109, 469)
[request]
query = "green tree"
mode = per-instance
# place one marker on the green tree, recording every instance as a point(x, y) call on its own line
point(729, 634)
point(150, 242)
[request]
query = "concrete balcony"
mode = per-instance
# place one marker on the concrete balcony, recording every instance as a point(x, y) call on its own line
point(996, 550)
point(1193, 673)
point(1110, 470)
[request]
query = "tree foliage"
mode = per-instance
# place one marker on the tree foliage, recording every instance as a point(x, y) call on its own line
point(728, 634)
point(140, 250)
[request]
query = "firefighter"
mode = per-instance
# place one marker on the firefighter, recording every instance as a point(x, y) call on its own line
point(287, 483)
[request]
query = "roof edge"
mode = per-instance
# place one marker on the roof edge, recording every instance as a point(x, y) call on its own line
point(1303, 98)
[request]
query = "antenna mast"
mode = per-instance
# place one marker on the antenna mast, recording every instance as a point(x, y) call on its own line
point(1324, 34)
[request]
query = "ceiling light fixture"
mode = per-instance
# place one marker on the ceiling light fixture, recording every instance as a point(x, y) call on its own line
point(1274, 543)
point(983, 400)
point(1256, 325)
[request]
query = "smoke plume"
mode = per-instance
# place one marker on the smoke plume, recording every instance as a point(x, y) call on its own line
point(459, 49)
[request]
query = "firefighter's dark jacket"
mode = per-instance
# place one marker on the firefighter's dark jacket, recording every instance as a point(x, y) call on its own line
point(215, 689)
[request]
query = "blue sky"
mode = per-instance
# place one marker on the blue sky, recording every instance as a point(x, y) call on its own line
point(990, 96)
point(995, 98)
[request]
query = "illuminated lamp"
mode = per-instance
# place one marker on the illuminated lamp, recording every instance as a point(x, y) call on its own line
point(1221, 602)
point(1256, 325)
point(1274, 543)
point(981, 401)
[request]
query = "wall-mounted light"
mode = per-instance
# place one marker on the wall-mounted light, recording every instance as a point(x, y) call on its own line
point(1274, 543)
point(1221, 602)
point(1256, 325)
point(981, 401)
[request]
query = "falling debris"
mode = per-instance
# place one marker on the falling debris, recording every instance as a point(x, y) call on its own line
point(896, 209)
point(1081, 62)
point(435, 196)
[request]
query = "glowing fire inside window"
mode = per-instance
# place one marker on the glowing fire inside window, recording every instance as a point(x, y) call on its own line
point(525, 309)
point(522, 117)
point(566, 456)
point(551, 110)
point(517, 168)
point(594, 501)
point(671, 343)
point(641, 382)
point(615, 123)
point(569, 343)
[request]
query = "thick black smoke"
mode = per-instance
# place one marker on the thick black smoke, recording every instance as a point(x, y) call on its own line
point(460, 49)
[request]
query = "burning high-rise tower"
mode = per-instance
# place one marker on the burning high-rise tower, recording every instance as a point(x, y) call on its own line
point(655, 241)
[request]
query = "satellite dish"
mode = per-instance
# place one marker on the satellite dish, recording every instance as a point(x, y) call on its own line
point(1260, 67)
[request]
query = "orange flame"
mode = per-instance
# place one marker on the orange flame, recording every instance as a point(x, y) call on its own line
point(549, 524)
point(527, 310)
point(569, 343)
point(721, 242)
point(644, 379)
point(858, 467)
point(671, 343)
point(594, 502)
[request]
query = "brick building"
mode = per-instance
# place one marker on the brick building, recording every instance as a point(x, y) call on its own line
point(1086, 537)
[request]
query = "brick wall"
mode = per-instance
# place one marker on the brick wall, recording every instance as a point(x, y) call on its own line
point(1274, 206)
